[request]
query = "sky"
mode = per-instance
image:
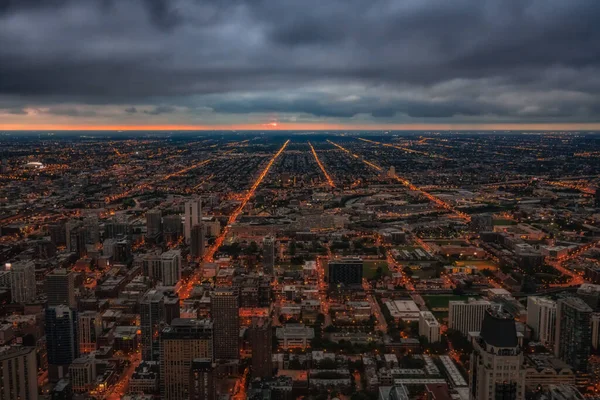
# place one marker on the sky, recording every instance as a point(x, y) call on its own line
point(299, 64)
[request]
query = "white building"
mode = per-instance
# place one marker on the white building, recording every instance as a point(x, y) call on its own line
point(19, 373)
point(406, 310)
point(467, 316)
point(541, 317)
point(294, 336)
point(171, 267)
point(497, 370)
point(429, 326)
point(193, 216)
point(22, 281)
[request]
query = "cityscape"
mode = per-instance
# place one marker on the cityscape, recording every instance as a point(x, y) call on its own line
point(300, 265)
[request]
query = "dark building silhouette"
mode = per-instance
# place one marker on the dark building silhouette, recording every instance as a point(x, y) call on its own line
point(225, 314)
point(62, 340)
point(202, 386)
point(347, 272)
point(261, 343)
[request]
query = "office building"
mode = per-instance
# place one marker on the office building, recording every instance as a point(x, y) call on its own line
point(590, 293)
point(57, 234)
point(62, 340)
point(171, 267)
point(497, 361)
point(89, 327)
point(261, 343)
point(82, 374)
point(225, 314)
point(22, 281)
point(180, 344)
point(429, 326)
point(345, 273)
point(467, 316)
point(268, 255)
point(294, 336)
point(197, 241)
point(60, 288)
point(541, 317)
point(151, 265)
point(595, 331)
point(193, 216)
point(154, 224)
point(202, 385)
point(18, 373)
point(152, 312)
point(573, 337)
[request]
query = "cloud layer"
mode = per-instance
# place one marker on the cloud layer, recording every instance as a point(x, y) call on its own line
point(339, 61)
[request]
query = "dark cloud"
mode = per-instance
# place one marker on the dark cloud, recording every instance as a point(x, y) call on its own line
point(518, 59)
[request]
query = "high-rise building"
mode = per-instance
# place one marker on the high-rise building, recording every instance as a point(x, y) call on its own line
point(18, 373)
point(225, 314)
point(202, 386)
point(573, 337)
point(347, 272)
point(268, 254)
point(171, 267)
point(193, 216)
point(595, 331)
point(22, 281)
point(77, 240)
point(541, 317)
point(180, 344)
point(152, 309)
point(590, 293)
point(151, 265)
point(89, 327)
point(429, 326)
point(70, 236)
point(60, 288)
point(57, 234)
point(467, 316)
point(197, 241)
point(497, 370)
point(62, 340)
point(261, 343)
point(153, 224)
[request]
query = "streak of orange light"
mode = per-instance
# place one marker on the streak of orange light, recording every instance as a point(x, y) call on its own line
point(329, 180)
point(406, 149)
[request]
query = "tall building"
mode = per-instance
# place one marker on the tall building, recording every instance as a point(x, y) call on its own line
point(541, 317)
point(595, 331)
point(347, 272)
point(202, 385)
point(180, 344)
point(57, 234)
point(268, 254)
point(77, 239)
point(197, 241)
point(193, 216)
point(171, 267)
point(152, 309)
point(590, 293)
point(172, 228)
point(22, 281)
point(153, 224)
point(497, 370)
point(573, 338)
point(467, 316)
point(62, 340)
point(89, 327)
point(261, 342)
point(60, 288)
point(429, 326)
point(225, 314)
point(18, 373)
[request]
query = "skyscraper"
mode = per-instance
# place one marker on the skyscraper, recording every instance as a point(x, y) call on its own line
point(573, 338)
point(171, 267)
point(541, 317)
point(193, 216)
point(347, 272)
point(62, 340)
point(202, 386)
point(153, 224)
point(268, 254)
point(225, 313)
point(89, 327)
point(261, 342)
point(22, 281)
point(18, 373)
point(172, 227)
point(180, 344)
point(151, 316)
point(60, 288)
point(197, 241)
point(497, 361)
point(467, 316)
